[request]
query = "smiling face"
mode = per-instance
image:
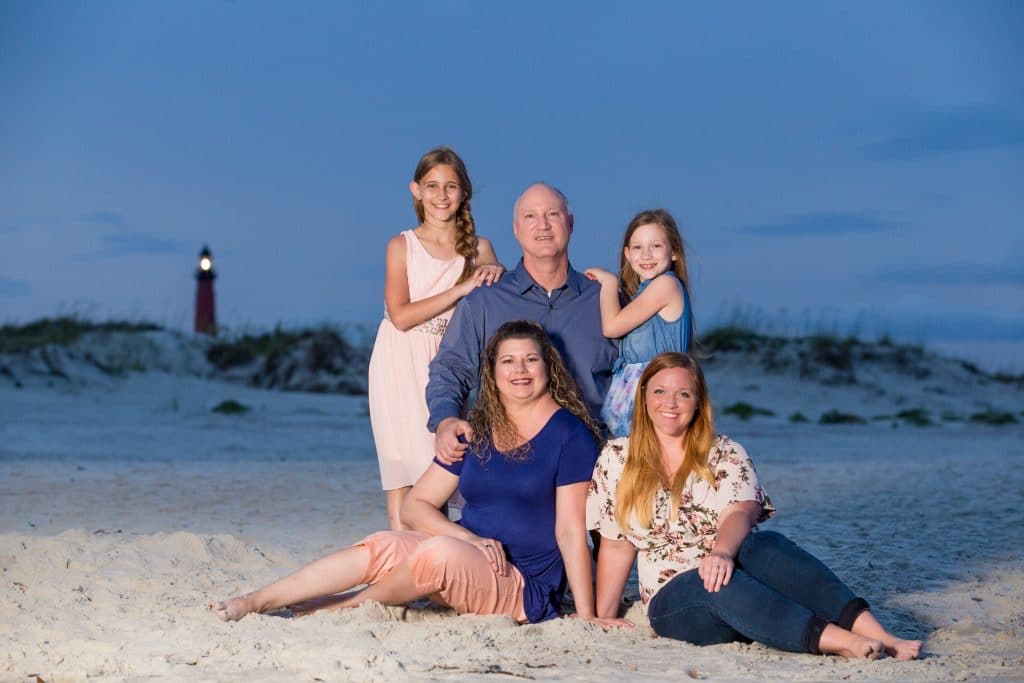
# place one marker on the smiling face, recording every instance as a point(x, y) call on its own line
point(440, 194)
point(520, 373)
point(542, 224)
point(670, 397)
point(648, 252)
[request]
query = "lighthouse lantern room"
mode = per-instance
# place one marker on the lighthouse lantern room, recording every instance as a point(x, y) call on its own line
point(206, 317)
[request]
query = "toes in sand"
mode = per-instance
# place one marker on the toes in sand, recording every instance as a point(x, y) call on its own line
point(231, 610)
point(904, 650)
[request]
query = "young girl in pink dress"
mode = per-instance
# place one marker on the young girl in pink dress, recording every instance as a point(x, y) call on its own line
point(427, 270)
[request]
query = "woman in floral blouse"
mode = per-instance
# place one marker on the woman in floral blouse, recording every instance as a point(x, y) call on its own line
point(688, 501)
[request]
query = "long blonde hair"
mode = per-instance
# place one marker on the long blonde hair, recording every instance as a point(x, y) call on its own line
point(465, 228)
point(488, 418)
point(643, 475)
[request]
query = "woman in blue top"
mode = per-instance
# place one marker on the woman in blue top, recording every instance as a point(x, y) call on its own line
point(522, 533)
point(658, 317)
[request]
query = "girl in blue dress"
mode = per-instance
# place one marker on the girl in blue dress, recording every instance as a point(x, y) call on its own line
point(658, 316)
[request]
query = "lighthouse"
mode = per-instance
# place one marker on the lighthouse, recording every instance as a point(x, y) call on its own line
point(206, 318)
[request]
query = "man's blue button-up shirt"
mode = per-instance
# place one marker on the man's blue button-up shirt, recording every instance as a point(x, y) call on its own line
point(571, 316)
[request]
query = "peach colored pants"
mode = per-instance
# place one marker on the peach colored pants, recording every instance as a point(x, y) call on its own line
point(448, 571)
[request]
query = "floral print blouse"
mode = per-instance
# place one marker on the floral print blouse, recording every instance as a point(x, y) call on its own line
point(676, 540)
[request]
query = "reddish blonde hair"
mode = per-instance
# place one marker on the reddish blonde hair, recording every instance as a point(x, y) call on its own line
point(643, 475)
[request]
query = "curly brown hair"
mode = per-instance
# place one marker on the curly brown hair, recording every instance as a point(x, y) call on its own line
point(488, 418)
point(465, 228)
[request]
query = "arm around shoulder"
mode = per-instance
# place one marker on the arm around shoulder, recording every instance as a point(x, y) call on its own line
point(404, 313)
point(485, 254)
point(662, 295)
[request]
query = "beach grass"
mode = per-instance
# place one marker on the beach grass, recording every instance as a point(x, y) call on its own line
point(994, 417)
point(231, 407)
point(62, 331)
point(745, 411)
point(838, 417)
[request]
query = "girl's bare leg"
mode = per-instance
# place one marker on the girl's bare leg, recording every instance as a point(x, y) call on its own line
point(328, 602)
point(396, 588)
point(868, 626)
point(394, 499)
point(838, 641)
point(334, 573)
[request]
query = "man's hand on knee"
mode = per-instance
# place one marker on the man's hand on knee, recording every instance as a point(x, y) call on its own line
point(447, 446)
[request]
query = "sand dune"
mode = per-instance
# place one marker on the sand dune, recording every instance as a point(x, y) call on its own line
point(126, 505)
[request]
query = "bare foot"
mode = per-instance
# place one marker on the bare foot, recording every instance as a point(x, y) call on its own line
point(864, 648)
point(233, 609)
point(867, 625)
point(839, 641)
point(903, 650)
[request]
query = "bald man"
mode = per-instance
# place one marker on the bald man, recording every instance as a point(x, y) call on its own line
point(543, 288)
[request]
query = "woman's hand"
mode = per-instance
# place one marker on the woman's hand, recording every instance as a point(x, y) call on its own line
point(494, 552)
point(602, 277)
point(716, 570)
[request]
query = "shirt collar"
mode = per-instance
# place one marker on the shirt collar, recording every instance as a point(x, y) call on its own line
point(523, 281)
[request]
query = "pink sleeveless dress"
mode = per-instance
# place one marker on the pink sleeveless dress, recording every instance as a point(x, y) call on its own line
point(398, 372)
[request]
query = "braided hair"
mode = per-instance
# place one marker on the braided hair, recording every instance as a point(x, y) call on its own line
point(465, 229)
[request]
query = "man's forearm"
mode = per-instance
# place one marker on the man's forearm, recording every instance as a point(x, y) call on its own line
point(453, 371)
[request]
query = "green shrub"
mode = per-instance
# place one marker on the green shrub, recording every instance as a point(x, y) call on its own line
point(231, 407)
point(745, 411)
point(918, 417)
point(248, 348)
point(730, 338)
point(798, 417)
point(328, 350)
point(971, 367)
point(833, 352)
point(991, 416)
point(836, 417)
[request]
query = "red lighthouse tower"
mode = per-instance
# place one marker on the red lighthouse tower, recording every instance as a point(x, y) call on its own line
point(206, 317)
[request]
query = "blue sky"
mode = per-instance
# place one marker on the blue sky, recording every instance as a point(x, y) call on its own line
point(855, 166)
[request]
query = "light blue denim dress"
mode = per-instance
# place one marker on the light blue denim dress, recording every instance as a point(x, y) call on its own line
point(636, 350)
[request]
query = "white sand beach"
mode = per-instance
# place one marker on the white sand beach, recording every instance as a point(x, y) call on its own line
point(126, 505)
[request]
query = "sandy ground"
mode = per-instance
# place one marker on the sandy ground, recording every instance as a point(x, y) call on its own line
point(126, 506)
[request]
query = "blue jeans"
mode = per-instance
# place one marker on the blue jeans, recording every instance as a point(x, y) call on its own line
point(779, 595)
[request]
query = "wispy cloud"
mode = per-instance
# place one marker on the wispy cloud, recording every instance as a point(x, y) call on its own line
point(111, 218)
point(137, 243)
point(123, 239)
point(821, 223)
point(9, 287)
point(956, 274)
point(938, 133)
